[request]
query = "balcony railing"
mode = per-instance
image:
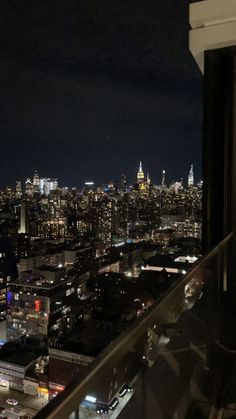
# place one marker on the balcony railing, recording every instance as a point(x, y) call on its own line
point(211, 269)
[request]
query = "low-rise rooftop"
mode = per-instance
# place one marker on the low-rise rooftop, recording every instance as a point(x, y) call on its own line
point(18, 355)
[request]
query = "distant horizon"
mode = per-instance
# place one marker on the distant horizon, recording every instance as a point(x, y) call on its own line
point(88, 94)
point(100, 182)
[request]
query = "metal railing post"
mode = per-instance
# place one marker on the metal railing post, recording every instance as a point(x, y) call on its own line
point(225, 268)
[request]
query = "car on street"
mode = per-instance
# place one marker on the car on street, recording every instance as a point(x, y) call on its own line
point(102, 409)
point(12, 402)
point(125, 389)
point(113, 404)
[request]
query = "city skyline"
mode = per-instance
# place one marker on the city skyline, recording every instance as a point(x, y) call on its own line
point(91, 91)
point(157, 180)
point(117, 209)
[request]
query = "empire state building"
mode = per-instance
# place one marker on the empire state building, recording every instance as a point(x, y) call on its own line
point(140, 174)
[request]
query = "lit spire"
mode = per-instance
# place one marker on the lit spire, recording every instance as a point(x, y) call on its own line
point(140, 175)
point(191, 177)
point(163, 178)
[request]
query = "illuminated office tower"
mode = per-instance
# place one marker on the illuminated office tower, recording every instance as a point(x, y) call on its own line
point(55, 184)
point(148, 182)
point(163, 178)
point(191, 177)
point(23, 218)
point(18, 189)
point(140, 174)
point(88, 188)
point(141, 181)
point(29, 187)
point(48, 186)
point(36, 181)
point(45, 186)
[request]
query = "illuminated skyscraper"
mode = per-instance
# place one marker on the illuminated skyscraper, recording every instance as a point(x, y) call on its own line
point(163, 178)
point(46, 185)
point(18, 189)
point(102, 220)
point(191, 177)
point(141, 181)
point(148, 182)
point(29, 187)
point(140, 174)
point(23, 218)
point(55, 184)
point(36, 181)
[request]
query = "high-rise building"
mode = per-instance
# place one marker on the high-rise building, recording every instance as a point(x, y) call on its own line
point(8, 269)
point(123, 184)
point(191, 177)
point(42, 187)
point(46, 185)
point(36, 182)
point(29, 187)
point(148, 183)
point(142, 181)
point(18, 189)
point(163, 178)
point(102, 220)
point(55, 184)
point(23, 218)
point(40, 305)
point(140, 174)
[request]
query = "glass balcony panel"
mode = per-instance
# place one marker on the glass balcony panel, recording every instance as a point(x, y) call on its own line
point(163, 359)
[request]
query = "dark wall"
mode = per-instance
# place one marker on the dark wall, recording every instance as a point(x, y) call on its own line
point(219, 144)
point(7, 260)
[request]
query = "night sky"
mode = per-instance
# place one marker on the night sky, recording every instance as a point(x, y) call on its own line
point(89, 88)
